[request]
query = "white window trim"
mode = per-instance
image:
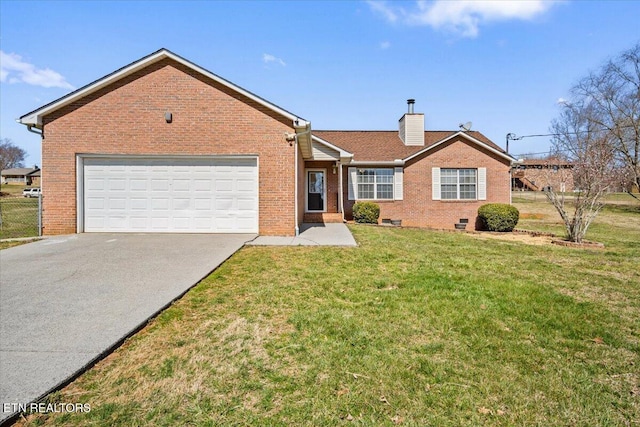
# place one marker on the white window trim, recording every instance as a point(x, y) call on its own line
point(375, 186)
point(458, 185)
point(481, 184)
point(306, 190)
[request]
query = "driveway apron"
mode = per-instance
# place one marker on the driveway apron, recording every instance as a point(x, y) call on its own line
point(65, 301)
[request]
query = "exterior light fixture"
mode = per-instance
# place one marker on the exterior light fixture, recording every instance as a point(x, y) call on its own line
point(168, 117)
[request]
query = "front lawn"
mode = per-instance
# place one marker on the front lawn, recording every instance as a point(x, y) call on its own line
point(414, 327)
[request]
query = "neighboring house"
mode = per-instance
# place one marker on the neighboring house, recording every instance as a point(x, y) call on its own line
point(35, 177)
point(163, 145)
point(21, 176)
point(539, 174)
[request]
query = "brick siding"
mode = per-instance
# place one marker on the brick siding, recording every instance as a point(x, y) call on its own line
point(417, 209)
point(127, 118)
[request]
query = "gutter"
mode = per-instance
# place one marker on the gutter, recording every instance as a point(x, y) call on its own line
point(397, 162)
point(301, 127)
point(30, 128)
point(341, 191)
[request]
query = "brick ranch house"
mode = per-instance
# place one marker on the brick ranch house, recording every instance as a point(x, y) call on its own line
point(20, 176)
point(163, 145)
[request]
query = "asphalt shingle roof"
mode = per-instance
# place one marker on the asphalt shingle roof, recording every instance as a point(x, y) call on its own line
point(375, 146)
point(18, 171)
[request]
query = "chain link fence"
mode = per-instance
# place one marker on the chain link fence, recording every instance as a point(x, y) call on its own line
point(20, 217)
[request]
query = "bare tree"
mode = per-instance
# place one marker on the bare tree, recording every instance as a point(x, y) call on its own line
point(590, 149)
point(613, 96)
point(11, 156)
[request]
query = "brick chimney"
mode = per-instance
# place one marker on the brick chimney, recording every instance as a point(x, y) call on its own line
point(412, 126)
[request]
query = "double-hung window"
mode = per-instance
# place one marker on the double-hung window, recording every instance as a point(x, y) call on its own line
point(458, 184)
point(375, 184)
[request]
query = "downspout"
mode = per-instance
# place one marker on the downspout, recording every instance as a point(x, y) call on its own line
point(511, 182)
point(340, 191)
point(295, 185)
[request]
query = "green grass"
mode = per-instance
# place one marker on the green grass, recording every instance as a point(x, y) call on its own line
point(13, 189)
point(413, 327)
point(19, 217)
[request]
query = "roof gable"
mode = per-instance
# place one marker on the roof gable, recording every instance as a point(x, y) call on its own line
point(34, 118)
point(488, 145)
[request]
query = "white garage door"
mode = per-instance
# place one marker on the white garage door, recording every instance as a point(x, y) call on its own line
point(203, 195)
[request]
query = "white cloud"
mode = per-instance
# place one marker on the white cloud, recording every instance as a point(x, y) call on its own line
point(268, 58)
point(385, 45)
point(14, 70)
point(561, 101)
point(385, 10)
point(463, 17)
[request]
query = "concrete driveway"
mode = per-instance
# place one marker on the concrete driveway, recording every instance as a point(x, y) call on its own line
point(65, 301)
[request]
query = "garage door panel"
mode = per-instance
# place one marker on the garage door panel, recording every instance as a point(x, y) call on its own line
point(202, 185)
point(244, 224)
point(116, 223)
point(247, 205)
point(245, 185)
point(117, 203)
point(171, 195)
point(116, 184)
point(202, 204)
point(159, 184)
point(159, 168)
point(138, 223)
point(94, 203)
point(181, 185)
point(95, 222)
point(138, 204)
point(159, 204)
point(159, 224)
point(223, 204)
point(94, 184)
point(181, 204)
point(225, 224)
point(181, 223)
point(224, 185)
point(138, 184)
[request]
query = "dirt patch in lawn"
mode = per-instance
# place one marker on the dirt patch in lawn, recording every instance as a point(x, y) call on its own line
point(520, 237)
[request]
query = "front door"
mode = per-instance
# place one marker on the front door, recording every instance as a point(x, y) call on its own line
point(316, 191)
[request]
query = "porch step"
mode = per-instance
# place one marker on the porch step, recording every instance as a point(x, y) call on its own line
point(322, 217)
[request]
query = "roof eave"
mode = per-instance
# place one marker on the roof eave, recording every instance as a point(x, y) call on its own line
point(467, 136)
point(34, 118)
point(396, 162)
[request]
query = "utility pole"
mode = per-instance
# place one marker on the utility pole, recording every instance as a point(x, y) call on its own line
point(510, 137)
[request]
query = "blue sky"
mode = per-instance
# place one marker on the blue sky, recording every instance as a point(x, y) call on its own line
point(340, 64)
